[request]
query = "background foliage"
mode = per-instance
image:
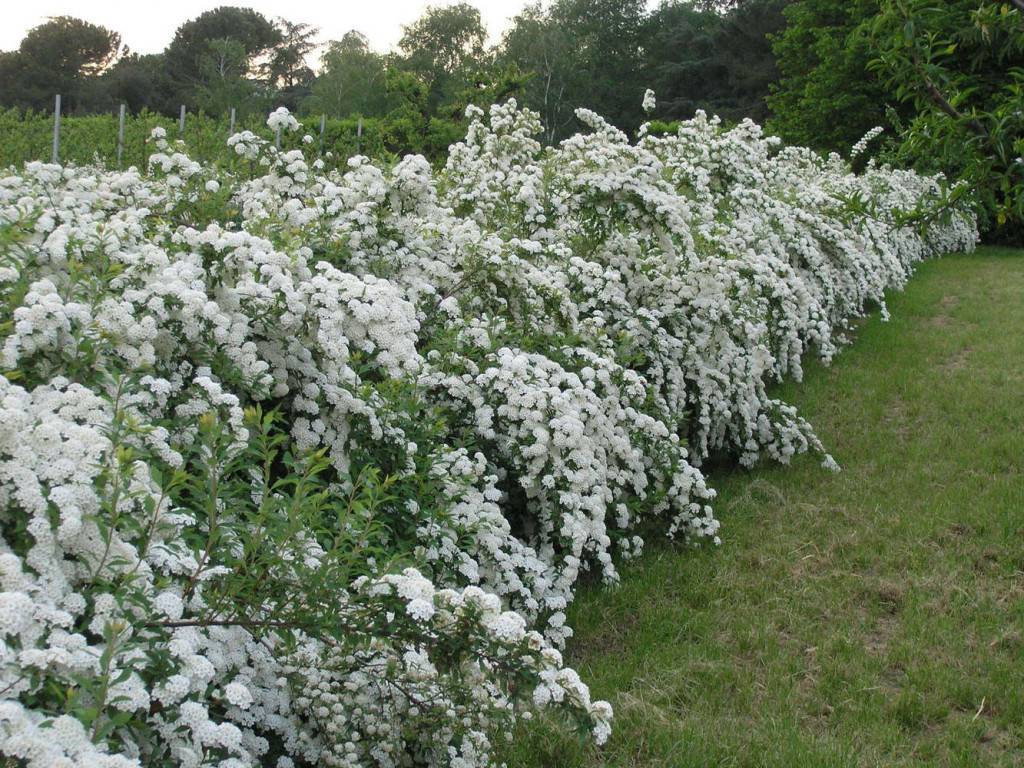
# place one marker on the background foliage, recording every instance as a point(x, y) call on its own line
point(944, 79)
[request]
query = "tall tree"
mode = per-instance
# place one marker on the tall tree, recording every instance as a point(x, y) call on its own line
point(444, 48)
point(582, 53)
point(826, 96)
point(188, 56)
point(286, 67)
point(607, 38)
point(140, 82)
point(959, 67)
point(64, 55)
point(713, 56)
point(744, 45)
point(537, 45)
point(352, 79)
point(13, 90)
point(684, 65)
point(223, 83)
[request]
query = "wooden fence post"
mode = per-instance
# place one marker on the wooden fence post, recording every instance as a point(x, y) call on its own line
point(231, 127)
point(181, 122)
point(120, 136)
point(359, 136)
point(55, 156)
point(323, 124)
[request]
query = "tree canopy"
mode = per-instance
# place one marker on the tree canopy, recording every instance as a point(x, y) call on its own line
point(959, 69)
point(190, 46)
point(826, 95)
point(443, 48)
point(64, 55)
point(351, 79)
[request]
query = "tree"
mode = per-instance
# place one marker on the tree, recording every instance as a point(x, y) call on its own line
point(223, 83)
point(712, 57)
point(959, 67)
point(351, 80)
point(582, 53)
point(607, 39)
point(542, 48)
point(13, 92)
point(64, 55)
point(444, 40)
point(286, 67)
point(443, 48)
point(827, 97)
point(685, 67)
point(140, 82)
point(188, 55)
point(744, 49)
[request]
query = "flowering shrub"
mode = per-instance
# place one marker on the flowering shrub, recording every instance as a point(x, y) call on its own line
point(302, 467)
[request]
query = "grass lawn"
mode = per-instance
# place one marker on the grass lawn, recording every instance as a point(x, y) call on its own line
point(869, 618)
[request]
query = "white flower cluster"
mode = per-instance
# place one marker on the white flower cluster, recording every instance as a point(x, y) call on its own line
point(247, 144)
point(282, 120)
point(532, 350)
point(862, 144)
point(649, 102)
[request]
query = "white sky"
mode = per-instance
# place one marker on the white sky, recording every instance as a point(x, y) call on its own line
point(147, 26)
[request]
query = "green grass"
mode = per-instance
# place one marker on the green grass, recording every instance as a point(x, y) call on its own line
point(869, 618)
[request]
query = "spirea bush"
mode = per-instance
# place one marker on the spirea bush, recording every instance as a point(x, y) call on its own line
point(302, 468)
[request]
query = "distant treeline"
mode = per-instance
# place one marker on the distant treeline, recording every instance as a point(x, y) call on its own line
point(554, 58)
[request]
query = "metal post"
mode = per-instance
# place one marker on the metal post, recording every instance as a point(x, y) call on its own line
point(55, 157)
point(323, 124)
point(120, 136)
point(181, 121)
point(231, 127)
point(359, 135)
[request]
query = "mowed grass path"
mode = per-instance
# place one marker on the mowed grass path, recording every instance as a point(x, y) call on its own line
point(869, 618)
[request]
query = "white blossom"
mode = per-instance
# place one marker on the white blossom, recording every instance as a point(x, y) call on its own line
point(537, 347)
